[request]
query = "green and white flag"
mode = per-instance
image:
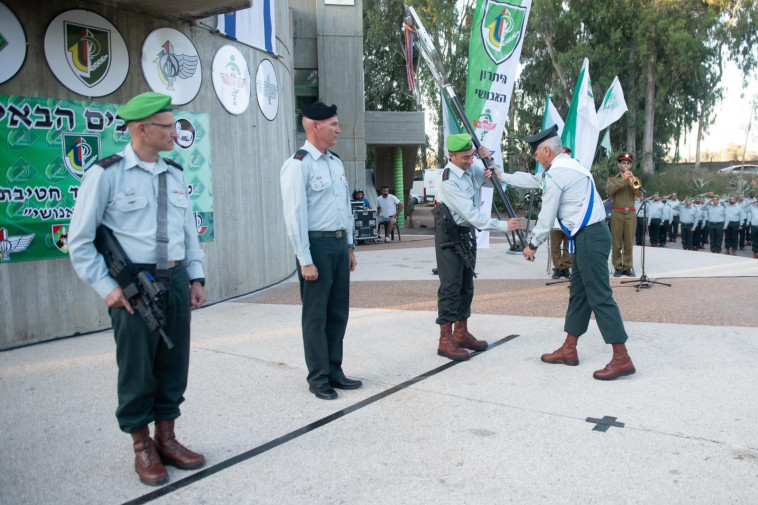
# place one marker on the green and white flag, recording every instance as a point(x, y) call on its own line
point(450, 124)
point(606, 143)
point(497, 34)
point(549, 118)
point(581, 131)
point(613, 106)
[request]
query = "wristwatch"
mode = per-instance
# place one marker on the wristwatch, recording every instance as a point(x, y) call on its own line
point(201, 280)
point(532, 246)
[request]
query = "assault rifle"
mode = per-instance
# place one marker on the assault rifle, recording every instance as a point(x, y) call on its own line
point(148, 296)
point(462, 245)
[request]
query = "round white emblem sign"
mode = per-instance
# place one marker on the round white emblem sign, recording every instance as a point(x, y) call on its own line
point(86, 53)
point(171, 65)
point(267, 89)
point(12, 44)
point(231, 79)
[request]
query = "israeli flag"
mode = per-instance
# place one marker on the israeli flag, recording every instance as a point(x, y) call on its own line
point(254, 26)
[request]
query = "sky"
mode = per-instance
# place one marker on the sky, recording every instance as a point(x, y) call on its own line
point(731, 117)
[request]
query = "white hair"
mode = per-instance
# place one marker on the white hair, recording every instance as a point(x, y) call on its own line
point(554, 144)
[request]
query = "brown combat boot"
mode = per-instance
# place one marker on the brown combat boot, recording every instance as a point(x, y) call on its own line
point(734, 251)
point(171, 451)
point(448, 348)
point(620, 365)
point(465, 339)
point(566, 354)
point(147, 463)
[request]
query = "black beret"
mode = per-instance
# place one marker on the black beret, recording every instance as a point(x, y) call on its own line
point(535, 140)
point(318, 110)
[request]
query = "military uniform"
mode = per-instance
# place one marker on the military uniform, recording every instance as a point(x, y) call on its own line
point(665, 224)
point(715, 214)
point(733, 217)
point(673, 231)
point(654, 212)
point(569, 194)
point(121, 193)
point(319, 223)
point(688, 216)
point(752, 218)
point(623, 222)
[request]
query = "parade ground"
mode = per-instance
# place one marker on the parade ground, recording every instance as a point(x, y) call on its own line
point(502, 427)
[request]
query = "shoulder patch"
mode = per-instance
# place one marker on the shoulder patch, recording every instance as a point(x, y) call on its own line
point(446, 174)
point(300, 154)
point(110, 160)
point(173, 164)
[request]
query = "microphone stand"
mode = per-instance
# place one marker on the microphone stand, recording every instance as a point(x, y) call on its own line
point(644, 282)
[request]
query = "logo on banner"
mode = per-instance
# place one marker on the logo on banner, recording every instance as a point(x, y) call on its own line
point(185, 134)
point(15, 244)
point(88, 52)
point(502, 28)
point(201, 228)
point(172, 66)
point(80, 151)
point(60, 237)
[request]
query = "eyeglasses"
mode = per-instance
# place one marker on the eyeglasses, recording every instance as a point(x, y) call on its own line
point(162, 125)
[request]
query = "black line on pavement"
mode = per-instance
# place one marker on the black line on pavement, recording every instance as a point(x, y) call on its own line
point(207, 472)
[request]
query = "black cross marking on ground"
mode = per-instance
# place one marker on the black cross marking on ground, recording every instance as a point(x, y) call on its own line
point(604, 423)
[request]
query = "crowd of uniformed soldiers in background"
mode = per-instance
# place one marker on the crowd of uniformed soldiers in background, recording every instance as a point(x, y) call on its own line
point(730, 224)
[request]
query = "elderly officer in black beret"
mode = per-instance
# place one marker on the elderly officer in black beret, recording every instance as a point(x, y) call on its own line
point(125, 192)
point(319, 221)
point(569, 194)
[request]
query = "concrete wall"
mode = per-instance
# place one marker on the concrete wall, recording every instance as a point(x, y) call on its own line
point(41, 300)
point(330, 39)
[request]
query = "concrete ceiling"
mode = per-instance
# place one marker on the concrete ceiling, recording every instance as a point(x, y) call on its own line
point(184, 9)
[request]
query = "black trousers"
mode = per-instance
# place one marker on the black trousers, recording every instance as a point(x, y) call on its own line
point(639, 234)
point(744, 232)
point(754, 238)
point(687, 236)
point(674, 230)
point(716, 236)
point(456, 289)
point(731, 235)
point(663, 235)
point(653, 230)
point(151, 378)
point(326, 304)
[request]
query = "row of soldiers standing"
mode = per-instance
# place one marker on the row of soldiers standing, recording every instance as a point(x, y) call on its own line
point(704, 219)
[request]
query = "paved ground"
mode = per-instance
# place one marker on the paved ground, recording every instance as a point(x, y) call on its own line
point(500, 428)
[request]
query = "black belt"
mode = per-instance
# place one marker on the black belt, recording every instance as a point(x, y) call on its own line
point(151, 266)
point(327, 234)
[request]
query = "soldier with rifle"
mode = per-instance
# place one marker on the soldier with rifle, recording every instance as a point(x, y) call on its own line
point(456, 216)
point(133, 239)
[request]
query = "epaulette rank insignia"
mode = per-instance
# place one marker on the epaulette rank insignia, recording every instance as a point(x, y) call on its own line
point(300, 154)
point(446, 174)
point(335, 154)
point(110, 160)
point(173, 164)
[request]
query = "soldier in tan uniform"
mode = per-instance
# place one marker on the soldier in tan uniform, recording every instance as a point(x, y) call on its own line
point(623, 218)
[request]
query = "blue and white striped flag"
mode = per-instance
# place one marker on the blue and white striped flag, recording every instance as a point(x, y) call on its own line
point(254, 26)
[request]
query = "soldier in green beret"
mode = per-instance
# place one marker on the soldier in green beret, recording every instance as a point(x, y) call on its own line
point(119, 192)
point(460, 191)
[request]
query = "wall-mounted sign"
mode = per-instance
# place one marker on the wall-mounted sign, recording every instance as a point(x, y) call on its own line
point(231, 79)
point(171, 65)
point(12, 44)
point(267, 89)
point(86, 53)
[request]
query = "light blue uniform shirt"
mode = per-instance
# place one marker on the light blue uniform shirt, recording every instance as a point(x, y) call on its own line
point(563, 196)
point(714, 213)
point(654, 210)
point(124, 197)
point(752, 214)
point(688, 215)
point(462, 194)
point(315, 196)
point(675, 205)
point(734, 213)
point(666, 212)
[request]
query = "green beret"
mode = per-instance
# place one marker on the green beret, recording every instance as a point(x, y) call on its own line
point(144, 105)
point(459, 142)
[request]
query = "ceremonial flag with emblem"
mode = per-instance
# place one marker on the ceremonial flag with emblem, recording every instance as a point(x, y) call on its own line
point(606, 143)
point(497, 34)
point(549, 118)
point(581, 131)
point(254, 26)
point(613, 106)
